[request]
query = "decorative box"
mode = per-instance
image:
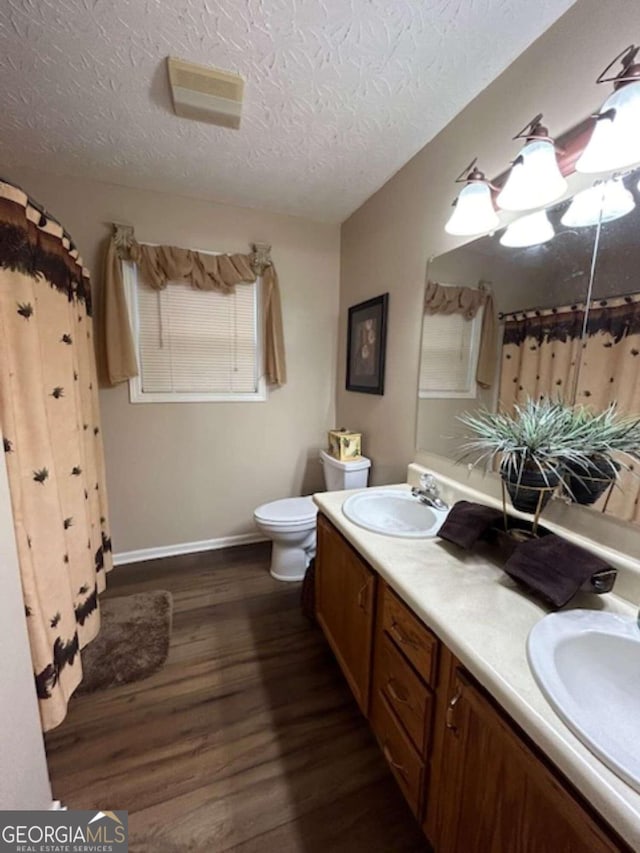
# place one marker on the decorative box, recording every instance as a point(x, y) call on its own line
point(344, 444)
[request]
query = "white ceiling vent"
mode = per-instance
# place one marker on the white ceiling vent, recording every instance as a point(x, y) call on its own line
point(205, 94)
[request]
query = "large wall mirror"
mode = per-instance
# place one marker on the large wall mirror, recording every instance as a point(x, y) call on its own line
point(568, 321)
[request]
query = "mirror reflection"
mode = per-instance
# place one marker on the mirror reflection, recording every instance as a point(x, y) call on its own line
point(567, 321)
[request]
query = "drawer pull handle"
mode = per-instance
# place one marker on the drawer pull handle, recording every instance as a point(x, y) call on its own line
point(399, 767)
point(361, 601)
point(451, 708)
point(402, 637)
point(394, 693)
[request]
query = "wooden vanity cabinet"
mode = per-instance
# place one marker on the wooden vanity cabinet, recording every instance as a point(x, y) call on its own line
point(345, 590)
point(471, 777)
point(491, 792)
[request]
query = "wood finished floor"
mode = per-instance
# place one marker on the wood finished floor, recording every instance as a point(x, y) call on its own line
point(247, 740)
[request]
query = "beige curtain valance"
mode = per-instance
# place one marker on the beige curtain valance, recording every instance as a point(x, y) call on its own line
point(159, 265)
point(467, 301)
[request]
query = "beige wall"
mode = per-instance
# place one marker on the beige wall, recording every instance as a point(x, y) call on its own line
point(386, 243)
point(24, 780)
point(190, 472)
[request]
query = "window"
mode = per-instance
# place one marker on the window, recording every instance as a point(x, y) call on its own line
point(194, 345)
point(449, 355)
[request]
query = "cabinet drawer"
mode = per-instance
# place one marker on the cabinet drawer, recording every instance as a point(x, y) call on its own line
point(416, 643)
point(398, 751)
point(404, 691)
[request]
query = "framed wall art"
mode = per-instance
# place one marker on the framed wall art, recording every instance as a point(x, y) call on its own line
point(366, 342)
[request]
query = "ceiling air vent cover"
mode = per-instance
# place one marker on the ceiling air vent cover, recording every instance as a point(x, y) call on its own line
point(205, 94)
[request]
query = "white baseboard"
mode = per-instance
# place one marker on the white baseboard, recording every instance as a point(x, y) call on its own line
point(143, 554)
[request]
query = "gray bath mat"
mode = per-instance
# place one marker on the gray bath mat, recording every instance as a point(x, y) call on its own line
point(133, 641)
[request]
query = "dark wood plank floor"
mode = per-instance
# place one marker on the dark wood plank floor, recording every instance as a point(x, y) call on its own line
point(247, 740)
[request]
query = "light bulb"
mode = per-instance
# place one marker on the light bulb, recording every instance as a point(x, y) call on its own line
point(474, 212)
point(605, 202)
point(535, 179)
point(615, 141)
point(529, 230)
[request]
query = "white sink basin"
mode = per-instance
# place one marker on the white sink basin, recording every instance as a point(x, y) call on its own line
point(393, 512)
point(587, 664)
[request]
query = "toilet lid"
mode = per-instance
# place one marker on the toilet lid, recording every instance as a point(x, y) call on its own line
point(288, 510)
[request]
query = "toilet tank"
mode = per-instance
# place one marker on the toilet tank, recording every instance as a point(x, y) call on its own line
point(344, 475)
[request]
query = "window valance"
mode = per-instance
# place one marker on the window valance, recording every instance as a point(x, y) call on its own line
point(443, 299)
point(159, 265)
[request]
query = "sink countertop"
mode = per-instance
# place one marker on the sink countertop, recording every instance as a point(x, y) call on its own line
point(484, 619)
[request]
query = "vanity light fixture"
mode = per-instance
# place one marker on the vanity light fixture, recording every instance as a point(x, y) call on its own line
point(530, 230)
point(615, 141)
point(474, 213)
point(535, 179)
point(605, 201)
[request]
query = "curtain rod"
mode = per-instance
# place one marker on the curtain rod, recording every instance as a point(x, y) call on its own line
point(602, 301)
point(124, 237)
point(188, 248)
point(41, 210)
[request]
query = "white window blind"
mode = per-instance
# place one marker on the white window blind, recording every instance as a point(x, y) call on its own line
point(196, 345)
point(449, 355)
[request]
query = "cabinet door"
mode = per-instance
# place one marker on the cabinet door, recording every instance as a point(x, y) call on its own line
point(345, 595)
point(496, 796)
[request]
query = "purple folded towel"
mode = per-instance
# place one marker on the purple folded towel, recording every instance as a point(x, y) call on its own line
point(553, 568)
point(467, 522)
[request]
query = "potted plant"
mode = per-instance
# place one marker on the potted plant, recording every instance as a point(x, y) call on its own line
point(606, 440)
point(532, 445)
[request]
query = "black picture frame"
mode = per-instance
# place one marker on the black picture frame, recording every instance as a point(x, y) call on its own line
point(366, 345)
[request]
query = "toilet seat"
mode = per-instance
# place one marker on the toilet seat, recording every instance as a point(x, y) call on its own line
point(290, 523)
point(288, 512)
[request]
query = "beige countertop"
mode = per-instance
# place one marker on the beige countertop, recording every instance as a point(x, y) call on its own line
point(484, 618)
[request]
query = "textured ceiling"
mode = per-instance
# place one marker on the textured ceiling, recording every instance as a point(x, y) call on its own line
point(339, 93)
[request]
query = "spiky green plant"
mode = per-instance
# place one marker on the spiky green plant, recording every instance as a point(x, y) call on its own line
point(533, 436)
point(605, 437)
point(608, 431)
point(551, 437)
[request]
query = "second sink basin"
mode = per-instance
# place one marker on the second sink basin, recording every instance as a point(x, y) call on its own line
point(587, 663)
point(394, 512)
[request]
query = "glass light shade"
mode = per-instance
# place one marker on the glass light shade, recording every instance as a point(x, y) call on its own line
point(474, 212)
point(528, 231)
point(612, 198)
point(534, 182)
point(615, 142)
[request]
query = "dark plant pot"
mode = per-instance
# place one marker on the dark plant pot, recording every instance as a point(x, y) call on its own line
point(585, 487)
point(532, 490)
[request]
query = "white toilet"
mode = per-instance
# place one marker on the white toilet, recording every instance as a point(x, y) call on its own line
point(291, 522)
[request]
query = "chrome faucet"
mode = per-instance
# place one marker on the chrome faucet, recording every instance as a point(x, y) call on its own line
point(428, 493)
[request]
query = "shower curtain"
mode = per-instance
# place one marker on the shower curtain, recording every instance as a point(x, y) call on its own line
point(50, 425)
point(609, 372)
point(544, 354)
point(540, 355)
